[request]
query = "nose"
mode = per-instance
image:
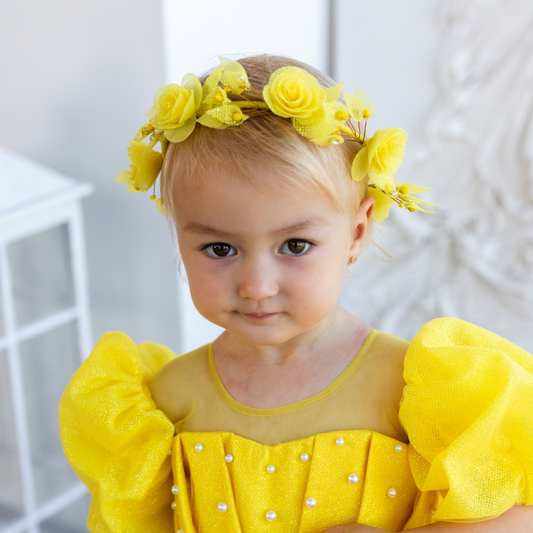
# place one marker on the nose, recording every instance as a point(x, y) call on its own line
point(257, 279)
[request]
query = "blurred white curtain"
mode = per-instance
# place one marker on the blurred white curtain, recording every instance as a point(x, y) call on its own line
point(473, 259)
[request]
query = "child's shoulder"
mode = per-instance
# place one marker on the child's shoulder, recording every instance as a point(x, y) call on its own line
point(180, 380)
point(383, 364)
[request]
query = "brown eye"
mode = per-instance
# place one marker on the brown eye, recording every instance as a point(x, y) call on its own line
point(296, 247)
point(220, 249)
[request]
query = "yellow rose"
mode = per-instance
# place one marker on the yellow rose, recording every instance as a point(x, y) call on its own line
point(380, 157)
point(293, 93)
point(174, 109)
point(145, 167)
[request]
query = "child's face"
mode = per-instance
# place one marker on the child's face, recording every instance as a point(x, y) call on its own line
point(265, 263)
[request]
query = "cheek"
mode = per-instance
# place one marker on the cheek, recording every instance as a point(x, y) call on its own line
point(207, 290)
point(206, 286)
point(316, 288)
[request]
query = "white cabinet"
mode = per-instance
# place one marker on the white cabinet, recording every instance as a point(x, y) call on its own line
point(44, 335)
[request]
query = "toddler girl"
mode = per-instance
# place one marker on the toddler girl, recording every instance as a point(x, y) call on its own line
point(300, 417)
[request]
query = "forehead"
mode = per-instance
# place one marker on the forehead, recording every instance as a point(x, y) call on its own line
point(239, 207)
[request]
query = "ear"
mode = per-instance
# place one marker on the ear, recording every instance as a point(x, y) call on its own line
point(360, 225)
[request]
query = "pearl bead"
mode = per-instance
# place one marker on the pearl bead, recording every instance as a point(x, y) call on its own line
point(198, 447)
point(353, 479)
point(398, 447)
point(169, 452)
point(304, 457)
point(340, 441)
point(175, 489)
point(311, 503)
point(335, 142)
point(433, 510)
point(174, 506)
point(391, 492)
point(180, 531)
point(222, 507)
point(229, 458)
point(271, 516)
point(271, 469)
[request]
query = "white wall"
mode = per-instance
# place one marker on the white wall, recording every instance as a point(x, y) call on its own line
point(196, 33)
point(388, 49)
point(77, 79)
point(446, 71)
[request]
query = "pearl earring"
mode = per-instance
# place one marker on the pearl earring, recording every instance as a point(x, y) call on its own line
point(353, 259)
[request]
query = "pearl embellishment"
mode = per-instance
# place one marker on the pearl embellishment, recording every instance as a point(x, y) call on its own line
point(175, 489)
point(391, 492)
point(340, 441)
point(198, 447)
point(271, 469)
point(271, 516)
point(222, 507)
point(304, 457)
point(311, 503)
point(229, 458)
point(353, 479)
point(398, 447)
point(180, 531)
point(174, 506)
point(169, 452)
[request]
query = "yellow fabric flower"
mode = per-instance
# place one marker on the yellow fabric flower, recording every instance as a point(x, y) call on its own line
point(223, 116)
point(359, 104)
point(405, 194)
point(324, 126)
point(293, 92)
point(380, 157)
point(231, 77)
point(174, 109)
point(383, 204)
point(145, 166)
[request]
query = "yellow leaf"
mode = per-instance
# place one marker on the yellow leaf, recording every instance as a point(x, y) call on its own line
point(333, 93)
point(123, 177)
point(211, 122)
point(180, 134)
point(383, 204)
point(328, 140)
point(367, 102)
point(360, 164)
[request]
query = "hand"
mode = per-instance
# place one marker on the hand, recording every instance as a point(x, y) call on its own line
point(353, 528)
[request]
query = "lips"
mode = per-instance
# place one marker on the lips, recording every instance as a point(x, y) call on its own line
point(258, 316)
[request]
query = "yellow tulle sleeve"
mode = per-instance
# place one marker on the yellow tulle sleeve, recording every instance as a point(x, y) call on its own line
point(116, 440)
point(468, 411)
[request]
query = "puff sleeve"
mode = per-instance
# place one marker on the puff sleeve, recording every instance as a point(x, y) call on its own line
point(116, 440)
point(467, 409)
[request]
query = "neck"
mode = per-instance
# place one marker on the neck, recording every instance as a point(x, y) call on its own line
point(269, 376)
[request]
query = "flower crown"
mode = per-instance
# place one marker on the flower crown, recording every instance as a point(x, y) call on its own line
point(293, 93)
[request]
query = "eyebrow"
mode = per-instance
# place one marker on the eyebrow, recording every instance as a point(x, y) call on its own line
point(203, 229)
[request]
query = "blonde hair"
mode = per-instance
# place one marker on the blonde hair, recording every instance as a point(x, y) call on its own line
point(267, 141)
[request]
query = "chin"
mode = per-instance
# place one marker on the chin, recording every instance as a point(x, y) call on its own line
point(266, 336)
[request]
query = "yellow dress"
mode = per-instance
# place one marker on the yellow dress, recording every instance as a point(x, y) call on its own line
point(459, 449)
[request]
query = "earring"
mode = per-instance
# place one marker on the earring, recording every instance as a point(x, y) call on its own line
point(353, 259)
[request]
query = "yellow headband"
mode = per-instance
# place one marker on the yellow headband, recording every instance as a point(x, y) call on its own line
point(292, 93)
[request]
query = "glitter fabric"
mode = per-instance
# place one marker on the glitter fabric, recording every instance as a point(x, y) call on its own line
point(117, 441)
point(206, 480)
point(467, 410)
